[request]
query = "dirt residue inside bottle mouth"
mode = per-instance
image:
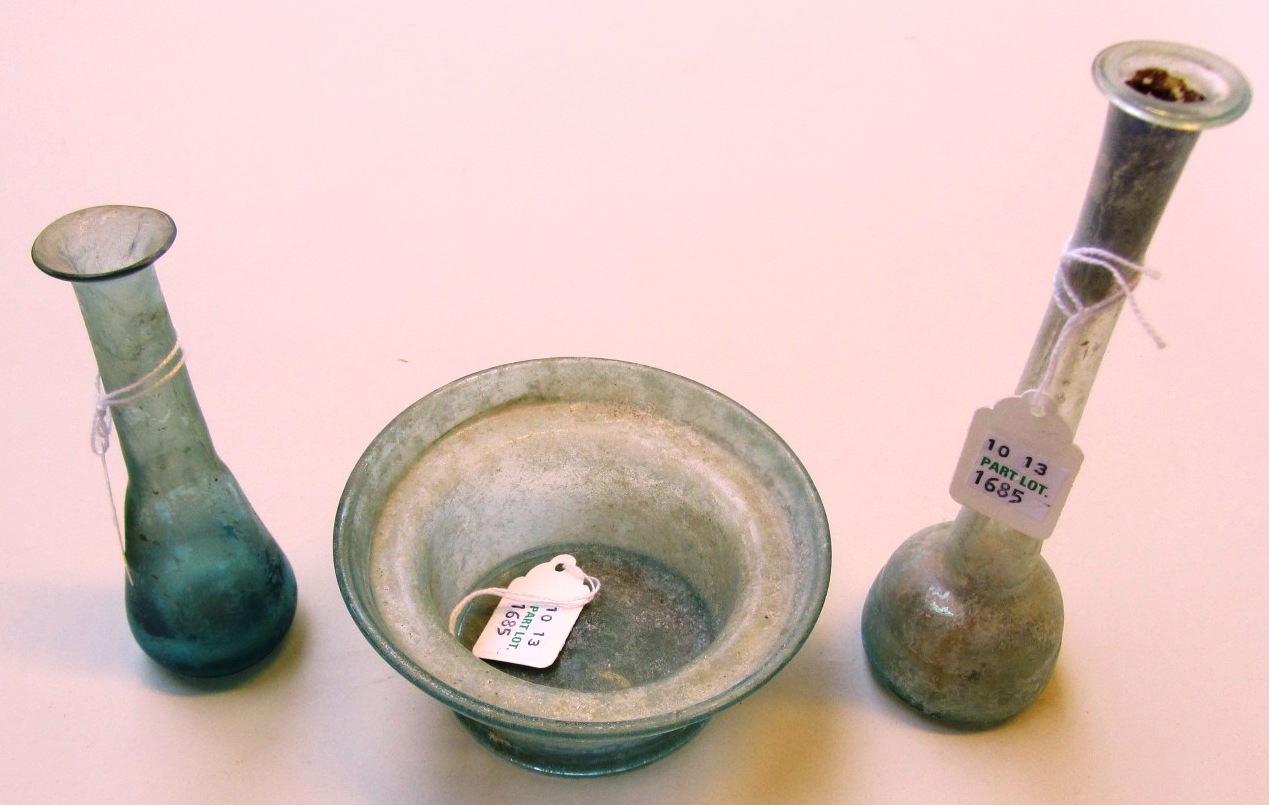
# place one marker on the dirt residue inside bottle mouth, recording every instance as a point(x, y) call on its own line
point(1159, 83)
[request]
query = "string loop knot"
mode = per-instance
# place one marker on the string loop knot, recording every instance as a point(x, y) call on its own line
point(531, 598)
point(147, 384)
point(1068, 300)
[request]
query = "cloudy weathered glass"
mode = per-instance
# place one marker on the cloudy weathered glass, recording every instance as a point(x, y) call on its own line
point(964, 622)
point(208, 591)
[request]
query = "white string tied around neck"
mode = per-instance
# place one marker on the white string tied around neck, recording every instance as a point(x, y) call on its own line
point(529, 598)
point(1068, 301)
point(99, 439)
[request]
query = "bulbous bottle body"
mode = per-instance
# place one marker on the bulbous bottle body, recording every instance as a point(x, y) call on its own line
point(955, 649)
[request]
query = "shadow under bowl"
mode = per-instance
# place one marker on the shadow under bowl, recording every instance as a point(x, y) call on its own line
point(706, 531)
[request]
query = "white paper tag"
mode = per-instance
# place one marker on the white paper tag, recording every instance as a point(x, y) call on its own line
point(1017, 467)
point(530, 628)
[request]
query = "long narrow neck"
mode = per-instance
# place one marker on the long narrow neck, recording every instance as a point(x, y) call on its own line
point(163, 432)
point(1137, 167)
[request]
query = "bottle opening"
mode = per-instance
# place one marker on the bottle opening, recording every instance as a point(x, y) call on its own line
point(1171, 85)
point(100, 243)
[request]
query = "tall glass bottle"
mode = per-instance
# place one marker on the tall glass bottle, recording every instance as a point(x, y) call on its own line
point(964, 622)
point(208, 591)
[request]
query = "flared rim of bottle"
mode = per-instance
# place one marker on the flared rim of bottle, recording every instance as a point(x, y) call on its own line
point(1215, 91)
point(100, 243)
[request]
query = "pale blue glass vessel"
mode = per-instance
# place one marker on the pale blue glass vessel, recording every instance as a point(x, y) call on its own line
point(209, 592)
point(706, 531)
point(964, 622)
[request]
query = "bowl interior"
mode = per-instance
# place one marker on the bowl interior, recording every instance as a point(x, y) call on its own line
point(705, 530)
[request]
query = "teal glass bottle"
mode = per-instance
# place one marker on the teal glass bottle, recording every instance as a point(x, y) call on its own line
point(208, 590)
point(964, 622)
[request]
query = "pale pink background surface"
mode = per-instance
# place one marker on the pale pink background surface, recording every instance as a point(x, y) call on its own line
point(842, 215)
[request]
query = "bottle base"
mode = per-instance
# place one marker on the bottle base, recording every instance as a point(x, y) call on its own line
point(213, 648)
